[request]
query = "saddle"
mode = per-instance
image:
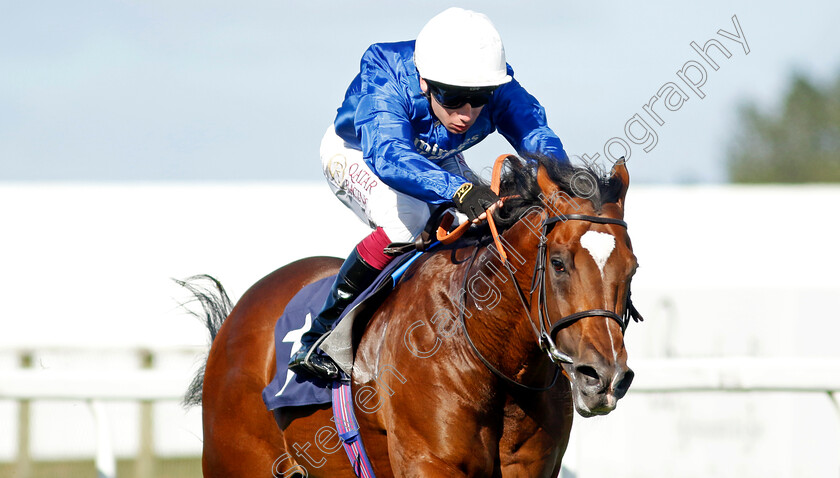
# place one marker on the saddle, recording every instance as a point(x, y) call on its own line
point(287, 388)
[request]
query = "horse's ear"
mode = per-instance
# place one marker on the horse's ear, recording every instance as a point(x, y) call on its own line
point(548, 187)
point(619, 171)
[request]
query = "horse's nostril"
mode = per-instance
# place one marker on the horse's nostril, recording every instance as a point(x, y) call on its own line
point(624, 384)
point(589, 375)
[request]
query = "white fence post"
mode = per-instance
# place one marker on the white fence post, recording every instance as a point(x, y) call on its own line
point(23, 469)
point(145, 463)
point(106, 463)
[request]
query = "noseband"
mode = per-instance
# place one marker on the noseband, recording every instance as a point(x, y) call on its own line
point(546, 328)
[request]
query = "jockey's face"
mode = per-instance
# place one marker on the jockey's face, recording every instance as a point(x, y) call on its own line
point(457, 120)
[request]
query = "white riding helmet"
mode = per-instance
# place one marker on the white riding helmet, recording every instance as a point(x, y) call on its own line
point(461, 48)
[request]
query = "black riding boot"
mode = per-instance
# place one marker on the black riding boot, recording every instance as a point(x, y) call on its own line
point(354, 277)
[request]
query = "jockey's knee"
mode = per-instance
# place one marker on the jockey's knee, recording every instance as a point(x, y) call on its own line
point(406, 221)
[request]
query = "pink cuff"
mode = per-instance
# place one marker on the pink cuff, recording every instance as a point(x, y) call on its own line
point(371, 249)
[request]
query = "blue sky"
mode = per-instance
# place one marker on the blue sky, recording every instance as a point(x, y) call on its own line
point(100, 90)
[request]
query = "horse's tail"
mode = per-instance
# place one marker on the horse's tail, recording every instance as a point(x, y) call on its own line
point(216, 306)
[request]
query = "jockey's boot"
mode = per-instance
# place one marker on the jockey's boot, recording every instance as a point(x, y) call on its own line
point(354, 277)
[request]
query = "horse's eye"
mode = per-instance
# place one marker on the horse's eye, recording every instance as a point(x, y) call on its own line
point(558, 265)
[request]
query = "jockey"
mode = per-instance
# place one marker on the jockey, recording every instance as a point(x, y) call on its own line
point(394, 149)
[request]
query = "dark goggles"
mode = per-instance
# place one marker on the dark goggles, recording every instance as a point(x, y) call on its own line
point(454, 97)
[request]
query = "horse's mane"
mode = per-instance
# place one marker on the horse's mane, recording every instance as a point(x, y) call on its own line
point(519, 181)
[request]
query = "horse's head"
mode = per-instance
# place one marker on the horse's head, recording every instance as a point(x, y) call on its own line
point(589, 263)
point(580, 280)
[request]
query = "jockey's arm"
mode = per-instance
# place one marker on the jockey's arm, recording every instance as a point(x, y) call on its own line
point(388, 149)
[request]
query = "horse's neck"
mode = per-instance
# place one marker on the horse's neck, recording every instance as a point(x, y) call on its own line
point(494, 314)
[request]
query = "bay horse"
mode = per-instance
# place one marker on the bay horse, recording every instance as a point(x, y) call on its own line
point(456, 373)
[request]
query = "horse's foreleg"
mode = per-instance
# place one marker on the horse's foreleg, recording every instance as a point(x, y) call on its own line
point(444, 441)
point(536, 433)
point(432, 467)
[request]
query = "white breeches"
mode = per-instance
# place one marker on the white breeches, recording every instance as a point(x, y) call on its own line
point(375, 203)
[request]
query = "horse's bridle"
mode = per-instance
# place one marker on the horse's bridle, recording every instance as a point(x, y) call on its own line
point(544, 335)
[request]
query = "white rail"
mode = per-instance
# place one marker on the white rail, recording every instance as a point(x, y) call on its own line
point(652, 376)
point(737, 374)
point(799, 375)
point(94, 387)
point(129, 385)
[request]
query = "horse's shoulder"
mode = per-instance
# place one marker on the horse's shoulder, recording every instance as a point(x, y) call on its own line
point(405, 320)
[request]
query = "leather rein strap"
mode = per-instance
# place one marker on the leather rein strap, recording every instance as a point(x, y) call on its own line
point(546, 329)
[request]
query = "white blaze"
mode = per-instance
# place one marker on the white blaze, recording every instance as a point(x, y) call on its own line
point(600, 245)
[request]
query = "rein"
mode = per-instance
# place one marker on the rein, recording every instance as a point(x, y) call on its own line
point(546, 329)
